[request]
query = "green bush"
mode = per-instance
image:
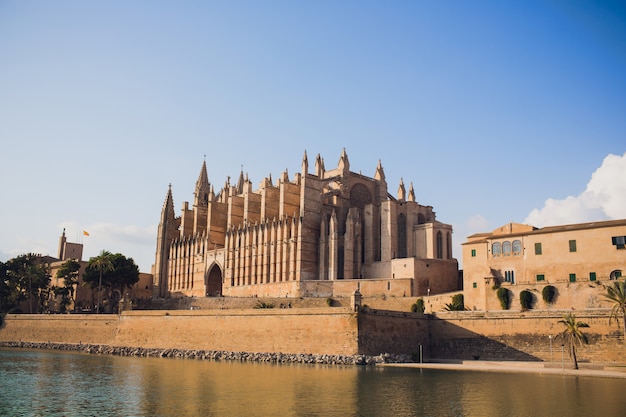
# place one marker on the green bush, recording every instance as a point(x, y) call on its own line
point(418, 306)
point(329, 302)
point(549, 294)
point(457, 304)
point(263, 304)
point(459, 300)
point(504, 295)
point(526, 299)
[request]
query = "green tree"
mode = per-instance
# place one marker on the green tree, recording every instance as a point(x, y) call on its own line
point(7, 290)
point(69, 273)
point(617, 296)
point(113, 272)
point(97, 266)
point(27, 277)
point(572, 335)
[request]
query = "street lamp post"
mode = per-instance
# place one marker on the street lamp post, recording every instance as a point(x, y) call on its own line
point(550, 337)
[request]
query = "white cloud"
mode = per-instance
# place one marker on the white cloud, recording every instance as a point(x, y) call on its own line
point(603, 199)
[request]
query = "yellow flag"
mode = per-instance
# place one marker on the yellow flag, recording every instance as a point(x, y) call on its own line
point(86, 233)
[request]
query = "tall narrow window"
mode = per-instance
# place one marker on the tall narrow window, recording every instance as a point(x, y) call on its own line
point(496, 249)
point(448, 246)
point(572, 246)
point(473, 253)
point(572, 277)
point(401, 236)
point(517, 247)
point(509, 276)
point(506, 248)
point(538, 248)
point(439, 246)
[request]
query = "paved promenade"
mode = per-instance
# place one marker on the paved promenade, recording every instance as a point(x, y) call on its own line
point(553, 368)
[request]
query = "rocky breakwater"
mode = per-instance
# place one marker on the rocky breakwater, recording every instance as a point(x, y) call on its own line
point(216, 355)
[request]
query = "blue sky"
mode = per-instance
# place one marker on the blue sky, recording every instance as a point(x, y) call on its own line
point(496, 111)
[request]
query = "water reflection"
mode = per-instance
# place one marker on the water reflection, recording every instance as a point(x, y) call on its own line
point(37, 383)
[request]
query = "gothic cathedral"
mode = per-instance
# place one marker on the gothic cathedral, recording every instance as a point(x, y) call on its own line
point(320, 234)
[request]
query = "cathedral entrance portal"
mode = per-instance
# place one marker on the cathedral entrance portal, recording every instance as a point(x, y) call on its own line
point(213, 282)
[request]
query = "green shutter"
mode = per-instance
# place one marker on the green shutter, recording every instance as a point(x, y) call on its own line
point(541, 277)
point(572, 277)
point(538, 248)
point(473, 252)
point(592, 276)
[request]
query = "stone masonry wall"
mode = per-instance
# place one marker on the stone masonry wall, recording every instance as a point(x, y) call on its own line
point(317, 331)
point(522, 336)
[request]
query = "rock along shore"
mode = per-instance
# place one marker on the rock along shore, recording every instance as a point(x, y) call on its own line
point(216, 355)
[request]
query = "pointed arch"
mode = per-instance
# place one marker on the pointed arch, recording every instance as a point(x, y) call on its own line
point(213, 281)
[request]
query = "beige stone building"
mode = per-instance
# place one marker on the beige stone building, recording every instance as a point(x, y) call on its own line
point(577, 259)
point(84, 297)
point(318, 234)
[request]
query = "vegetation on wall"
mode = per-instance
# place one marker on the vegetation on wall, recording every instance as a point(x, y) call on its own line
point(263, 304)
point(617, 296)
point(526, 299)
point(504, 295)
point(572, 335)
point(457, 304)
point(418, 306)
point(549, 294)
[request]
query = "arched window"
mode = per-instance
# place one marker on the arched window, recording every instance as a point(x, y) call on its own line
point(506, 248)
point(517, 247)
point(448, 246)
point(421, 219)
point(439, 246)
point(615, 274)
point(401, 236)
point(496, 249)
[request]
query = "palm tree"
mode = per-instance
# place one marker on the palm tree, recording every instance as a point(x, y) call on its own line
point(102, 262)
point(617, 296)
point(573, 335)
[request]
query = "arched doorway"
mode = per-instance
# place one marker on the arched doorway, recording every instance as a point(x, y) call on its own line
point(213, 282)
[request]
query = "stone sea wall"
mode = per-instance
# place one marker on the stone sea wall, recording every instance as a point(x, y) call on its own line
point(275, 357)
point(319, 335)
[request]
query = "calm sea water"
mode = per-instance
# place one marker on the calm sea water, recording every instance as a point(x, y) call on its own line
point(43, 383)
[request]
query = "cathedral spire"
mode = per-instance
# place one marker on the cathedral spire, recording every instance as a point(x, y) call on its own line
point(411, 193)
point(305, 164)
point(201, 193)
point(240, 182)
point(344, 164)
point(167, 213)
point(401, 191)
point(380, 173)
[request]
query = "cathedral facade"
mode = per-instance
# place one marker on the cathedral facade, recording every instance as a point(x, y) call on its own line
point(320, 234)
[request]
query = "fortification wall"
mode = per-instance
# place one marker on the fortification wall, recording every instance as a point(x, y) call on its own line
point(390, 331)
point(333, 331)
point(316, 331)
point(522, 336)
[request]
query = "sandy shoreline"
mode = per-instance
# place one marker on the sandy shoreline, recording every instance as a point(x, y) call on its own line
point(552, 368)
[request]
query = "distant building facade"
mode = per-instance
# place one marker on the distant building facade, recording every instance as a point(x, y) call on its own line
point(84, 297)
point(318, 234)
point(577, 259)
